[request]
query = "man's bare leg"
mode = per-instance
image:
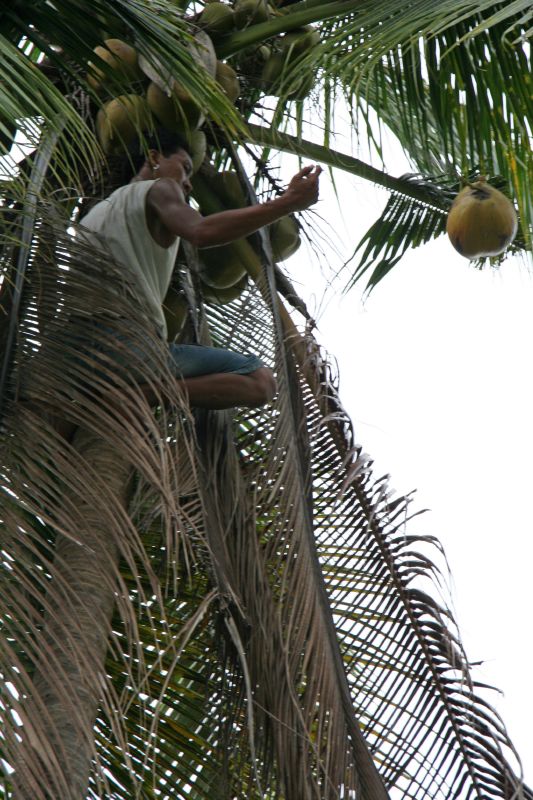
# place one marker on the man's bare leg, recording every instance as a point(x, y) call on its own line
point(229, 389)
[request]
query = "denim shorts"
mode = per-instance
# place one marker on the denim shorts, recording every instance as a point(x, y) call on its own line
point(193, 360)
point(125, 354)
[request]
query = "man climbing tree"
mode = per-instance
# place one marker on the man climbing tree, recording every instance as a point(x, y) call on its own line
point(141, 224)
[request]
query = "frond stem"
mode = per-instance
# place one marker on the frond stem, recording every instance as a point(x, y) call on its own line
point(325, 155)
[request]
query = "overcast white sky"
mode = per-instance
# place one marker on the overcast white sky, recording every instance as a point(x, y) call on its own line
point(436, 376)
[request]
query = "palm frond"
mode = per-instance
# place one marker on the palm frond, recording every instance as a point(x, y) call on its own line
point(455, 79)
point(404, 224)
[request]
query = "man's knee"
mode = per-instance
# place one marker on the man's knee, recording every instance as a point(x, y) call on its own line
point(265, 386)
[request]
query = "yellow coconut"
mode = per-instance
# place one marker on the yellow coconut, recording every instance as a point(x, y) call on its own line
point(176, 111)
point(122, 60)
point(284, 238)
point(220, 297)
point(221, 267)
point(217, 19)
point(228, 79)
point(119, 120)
point(482, 221)
point(250, 12)
point(175, 310)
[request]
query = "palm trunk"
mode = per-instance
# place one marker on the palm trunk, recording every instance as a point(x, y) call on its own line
point(60, 714)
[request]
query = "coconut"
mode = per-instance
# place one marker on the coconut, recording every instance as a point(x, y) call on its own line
point(284, 238)
point(175, 309)
point(299, 41)
point(482, 221)
point(119, 121)
point(228, 79)
point(176, 111)
point(250, 12)
point(221, 267)
point(217, 19)
point(274, 78)
point(198, 145)
point(227, 186)
point(122, 60)
point(220, 297)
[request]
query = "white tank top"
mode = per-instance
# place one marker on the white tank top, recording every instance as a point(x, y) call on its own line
point(120, 223)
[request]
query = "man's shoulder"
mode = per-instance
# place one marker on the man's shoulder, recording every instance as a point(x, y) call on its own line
point(165, 189)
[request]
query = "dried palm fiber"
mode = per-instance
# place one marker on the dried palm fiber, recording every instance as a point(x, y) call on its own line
point(286, 509)
point(63, 504)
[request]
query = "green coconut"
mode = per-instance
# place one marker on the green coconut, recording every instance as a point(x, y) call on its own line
point(228, 188)
point(198, 147)
point(175, 310)
point(250, 12)
point(122, 60)
point(299, 41)
point(278, 78)
point(221, 267)
point(220, 297)
point(119, 121)
point(217, 19)
point(284, 238)
point(228, 79)
point(176, 111)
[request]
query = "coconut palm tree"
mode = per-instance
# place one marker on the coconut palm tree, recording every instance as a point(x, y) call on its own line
point(212, 605)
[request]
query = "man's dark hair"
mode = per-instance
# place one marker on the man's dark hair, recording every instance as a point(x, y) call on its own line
point(161, 139)
point(122, 168)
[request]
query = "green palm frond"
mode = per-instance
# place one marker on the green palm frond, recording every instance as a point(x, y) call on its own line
point(453, 83)
point(404, 224)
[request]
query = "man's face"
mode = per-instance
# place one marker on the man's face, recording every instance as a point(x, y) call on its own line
point(177, 166)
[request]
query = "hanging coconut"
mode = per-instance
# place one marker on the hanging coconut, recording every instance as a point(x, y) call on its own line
point(278, 78)
point(220, 297)
point(217, 19)
point(299, 41)
point(175, 310)
point(176, 110)
point(250, 12)
point(119, 120)
point(228, 79)
point(122, 60)
point(198, 147)
point(228, 187)
point(284, 238)
point(482, 221)
point(221, 267)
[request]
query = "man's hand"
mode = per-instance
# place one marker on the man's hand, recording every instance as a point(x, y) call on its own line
point(302, 190)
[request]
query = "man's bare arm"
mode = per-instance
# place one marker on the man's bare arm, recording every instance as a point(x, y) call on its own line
point(167, 203)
